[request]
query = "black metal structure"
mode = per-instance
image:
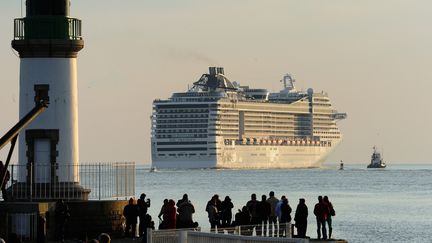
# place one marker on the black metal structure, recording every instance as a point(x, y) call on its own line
point(12, 134)
point(47, 7)
point(214, 80)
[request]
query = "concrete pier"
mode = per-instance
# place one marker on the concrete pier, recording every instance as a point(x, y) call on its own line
point(37, 219)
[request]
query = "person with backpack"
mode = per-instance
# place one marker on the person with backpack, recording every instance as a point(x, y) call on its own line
point(321, 212)
point(329, 217)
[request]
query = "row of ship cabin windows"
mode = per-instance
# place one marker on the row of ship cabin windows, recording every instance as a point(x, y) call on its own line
point(184, 116)
point(181, 130)
point(337, 132)
point(183, 111)
point(183, 121)
point(183, 126)
point(330, 137)
point(192, 154)
point(182, 136)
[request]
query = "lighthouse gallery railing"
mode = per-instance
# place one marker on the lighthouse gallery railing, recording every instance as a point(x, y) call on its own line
point(47, 28)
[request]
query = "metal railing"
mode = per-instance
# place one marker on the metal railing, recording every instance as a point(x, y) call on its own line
point(100, 181)
point(47, 28)
point(238, 234)
point(201, 237)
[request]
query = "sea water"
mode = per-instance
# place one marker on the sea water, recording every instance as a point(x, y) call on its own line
point(372, 205)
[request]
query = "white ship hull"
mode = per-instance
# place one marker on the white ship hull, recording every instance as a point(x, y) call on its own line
point(251, 157)
point(259, 157)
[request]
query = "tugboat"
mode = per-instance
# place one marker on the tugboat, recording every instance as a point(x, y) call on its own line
point(376, 160)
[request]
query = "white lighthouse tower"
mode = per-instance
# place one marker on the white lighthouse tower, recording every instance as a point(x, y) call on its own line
point(48, 41)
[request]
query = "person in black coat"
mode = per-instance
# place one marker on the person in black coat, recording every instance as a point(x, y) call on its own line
point(226, 213)
point(131, 212)
point(285, 217)
point(263, 213)
point(300, 218)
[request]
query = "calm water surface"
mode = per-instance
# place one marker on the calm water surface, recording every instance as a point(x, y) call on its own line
point(372, 205)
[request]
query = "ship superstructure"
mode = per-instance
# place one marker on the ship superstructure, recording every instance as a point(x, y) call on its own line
point(376, 160)
point(221, 124)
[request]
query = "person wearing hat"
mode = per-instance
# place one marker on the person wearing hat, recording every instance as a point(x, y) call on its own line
point(300, 218)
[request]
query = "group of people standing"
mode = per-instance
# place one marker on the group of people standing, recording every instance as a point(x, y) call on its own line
point(172, 215)
point(324, 211)
point(270, 216)
point(177, 215)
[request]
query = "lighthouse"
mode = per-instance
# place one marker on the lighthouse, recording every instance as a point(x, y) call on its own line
point(48, 41)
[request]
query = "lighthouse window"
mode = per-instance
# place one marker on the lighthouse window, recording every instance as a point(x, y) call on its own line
point(41, 92)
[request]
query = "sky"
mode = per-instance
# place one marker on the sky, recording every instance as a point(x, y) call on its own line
point(373, 58)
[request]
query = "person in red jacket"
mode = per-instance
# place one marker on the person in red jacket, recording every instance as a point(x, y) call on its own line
point(329, 217)
point(170, 215)
point(321, 212)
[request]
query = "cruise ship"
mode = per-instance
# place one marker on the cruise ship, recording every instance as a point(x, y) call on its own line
point(222, 124)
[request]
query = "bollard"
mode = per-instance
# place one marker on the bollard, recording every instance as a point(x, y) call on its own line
point(183, 236)
point(149, 236)
point(292, 230)
point(288, 230)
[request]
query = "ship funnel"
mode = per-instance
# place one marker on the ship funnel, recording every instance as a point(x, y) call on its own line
point(216, 70)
